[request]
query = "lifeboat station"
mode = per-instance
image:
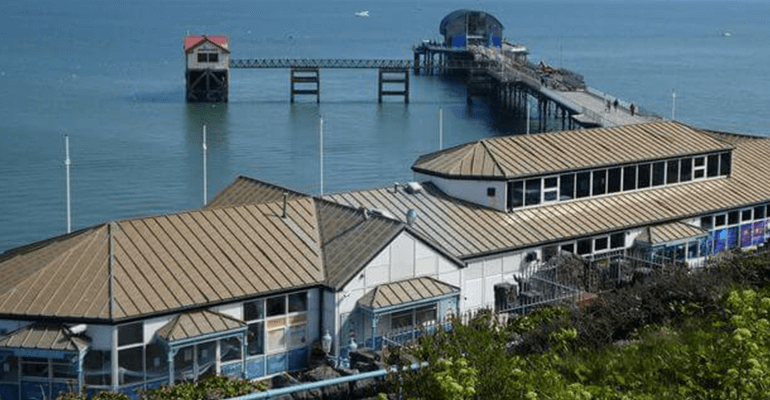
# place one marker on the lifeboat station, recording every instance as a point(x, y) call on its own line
point(246, 285)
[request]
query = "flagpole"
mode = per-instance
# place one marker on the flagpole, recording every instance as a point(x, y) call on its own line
point(440, 128)
point(205, 183)
point(67, 168)
point(322, 155)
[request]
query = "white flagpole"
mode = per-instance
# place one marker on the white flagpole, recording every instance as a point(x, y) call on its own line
point(673, 105)
point(322, 155)
point(67, 168)
point(440, 128)
point(205, 183)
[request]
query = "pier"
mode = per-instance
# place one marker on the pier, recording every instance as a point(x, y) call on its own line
point(473, 49)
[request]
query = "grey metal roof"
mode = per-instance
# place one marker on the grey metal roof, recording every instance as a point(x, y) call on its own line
point(530, 155)
point(244, 190)
point(198, 323)
point(406, 291)
point(467, 230)
point(167, 262)
point(670, 232)
point(42, 336)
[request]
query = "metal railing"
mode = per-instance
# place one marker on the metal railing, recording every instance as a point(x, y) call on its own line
point(350, 63)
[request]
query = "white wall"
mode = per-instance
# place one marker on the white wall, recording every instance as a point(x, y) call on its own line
point(471, 190)
point(152, 325)
point(482, 274)
point(192, 58)
point(234, 310)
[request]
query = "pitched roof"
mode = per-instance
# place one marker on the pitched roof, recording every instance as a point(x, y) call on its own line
point(43, 337)
point(670, 232)
point(244, 190)
point(531, 155)
point(191, 42)
point(154, 265)
point(350, 240)
point(467, 230)
point(198, 323)
point(406, 291)
point(167, 262)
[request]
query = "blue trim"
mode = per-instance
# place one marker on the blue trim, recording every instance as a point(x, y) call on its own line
point(404, 306)
point(9, 391)
point(44, 353)
point(277, 363)
point(298, 359)
point(208, 337)
point(255, 367)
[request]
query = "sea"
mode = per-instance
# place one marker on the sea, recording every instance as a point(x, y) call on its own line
point(110, 75)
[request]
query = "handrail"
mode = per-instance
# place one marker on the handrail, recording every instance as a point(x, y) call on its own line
point(328, 382)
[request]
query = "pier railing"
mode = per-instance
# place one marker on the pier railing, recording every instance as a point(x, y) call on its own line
point(349, 63)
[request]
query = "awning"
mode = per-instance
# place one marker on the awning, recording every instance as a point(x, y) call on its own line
point(405, 292)
point(43, 340)
point(199, 325)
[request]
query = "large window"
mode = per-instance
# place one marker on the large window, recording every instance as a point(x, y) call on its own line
point(413, 317)
point(208, 57)
point(602, 181)
point(277, 323)
point(131, 353)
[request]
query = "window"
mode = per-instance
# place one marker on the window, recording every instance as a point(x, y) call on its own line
point(549, 252)
point(713, 166)
point(658, 173)
point(425, 314)
point(599, 183)
point(550, 189)
point(618, 240)
point(759, 212)
point(707, 223)
point(229, 349)
point(569, 247)
point(601, 243)
point(629, 178)
point(34, 367)
point(720, 220)
point(644, 176)
point(97, 368)
point(693, 250)
point(401, 319)
point(672, 171)
point(532, 194)
point(584, 246)
point(567, 187)
point(298, 302)
point(699, 168)
point(131, 364)
point(746, 215)
point(613, 180)
point(724, 164)
point(583, 185)
point(516, 194)
point(131, 334)
point(208, 57)
point(253, 310)
point(491, 192)
point(685, 171)
point(9, 369)
point(156, 361)
point(732, 218)
point(256, 340)
point(285, 326)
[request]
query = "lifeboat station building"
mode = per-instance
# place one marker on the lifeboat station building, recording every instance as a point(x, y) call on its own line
point(246, 285)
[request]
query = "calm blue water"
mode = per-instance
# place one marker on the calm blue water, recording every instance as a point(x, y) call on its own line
point(110, 74)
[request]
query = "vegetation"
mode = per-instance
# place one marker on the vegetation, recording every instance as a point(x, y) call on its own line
point(213, 387)
point(675, 335)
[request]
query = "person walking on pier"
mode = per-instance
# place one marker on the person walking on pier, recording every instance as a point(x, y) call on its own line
point(607, 106)
point(615, 105)
point(632, 108)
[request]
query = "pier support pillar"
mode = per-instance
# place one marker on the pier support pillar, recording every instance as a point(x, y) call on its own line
point(416, 63)
point(389, 76)
point(310, 81)
point(207, 85)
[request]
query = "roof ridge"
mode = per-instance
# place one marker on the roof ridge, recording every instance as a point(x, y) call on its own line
point(494, 159)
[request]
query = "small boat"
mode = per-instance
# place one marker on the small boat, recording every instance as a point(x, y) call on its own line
point(362, 13)
point(727, 34)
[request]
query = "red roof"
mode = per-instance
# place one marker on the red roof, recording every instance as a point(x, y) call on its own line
point(192, 41)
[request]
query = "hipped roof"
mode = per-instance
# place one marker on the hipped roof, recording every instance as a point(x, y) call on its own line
point(470, 231)
point(228, 251)
point(198, 323)
point(42, 336)
point(671, 232)
point(406, 291)
point(550, 153)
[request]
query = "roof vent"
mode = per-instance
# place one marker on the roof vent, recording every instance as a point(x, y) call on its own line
point(78, 329)
point(382, 213)
point(413, 187)
point(411, 216)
